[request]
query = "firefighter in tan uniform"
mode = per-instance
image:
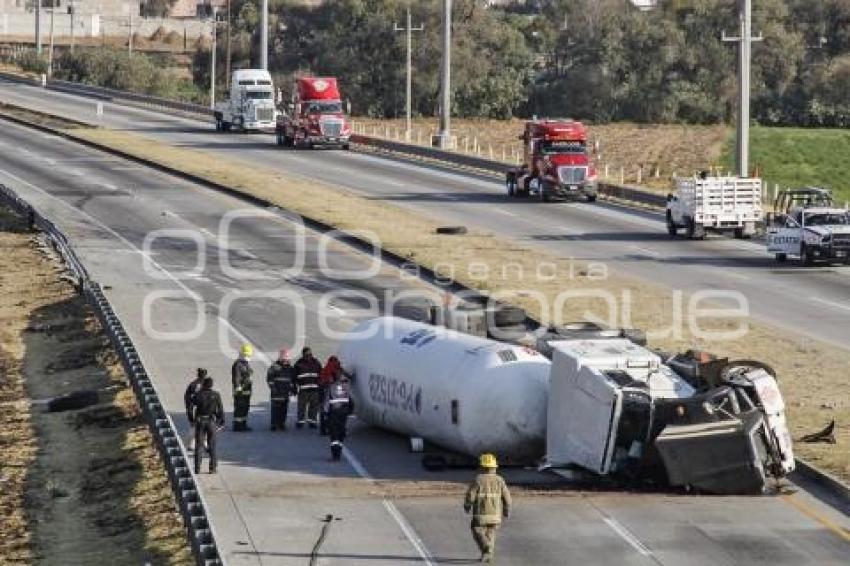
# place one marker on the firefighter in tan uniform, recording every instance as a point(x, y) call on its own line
point(489, 500)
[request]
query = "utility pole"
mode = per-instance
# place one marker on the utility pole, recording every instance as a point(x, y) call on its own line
point(227, 64)
point(71, 11)
point(130, 36)
point(38, 26)
point(212, 57)
point(745, 43)
point(443, 139)
point(264, 37)
point(409, 83)
point(50, 54)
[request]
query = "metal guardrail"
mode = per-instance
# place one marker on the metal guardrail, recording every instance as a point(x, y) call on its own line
point(113, 94)
point(190, 501)
point(492, 166)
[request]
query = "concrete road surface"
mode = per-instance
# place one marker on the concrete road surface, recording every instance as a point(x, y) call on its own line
point(186, 309)
point(811, 302)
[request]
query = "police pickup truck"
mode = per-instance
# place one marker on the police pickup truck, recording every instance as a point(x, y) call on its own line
point(815, 233)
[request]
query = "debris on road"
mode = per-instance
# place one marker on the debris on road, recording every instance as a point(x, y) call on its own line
point(826, 436)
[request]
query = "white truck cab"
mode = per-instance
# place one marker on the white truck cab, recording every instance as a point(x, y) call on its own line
point(811, 233)
point(252, 104)
point(718, 204)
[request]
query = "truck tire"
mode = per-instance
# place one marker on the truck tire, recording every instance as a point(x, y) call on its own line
point(280, 140)
point(781, 258)
point(226, 126)
point(510, 183)
point(544, 194)
point(672, 229)
point(806, 255)
point(739, 233)
point(218, 125)
point(694, 232)
point(346, 146)
point(591, 198)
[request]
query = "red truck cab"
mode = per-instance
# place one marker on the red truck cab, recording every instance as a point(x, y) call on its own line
point(315, 117)
point(556, 162)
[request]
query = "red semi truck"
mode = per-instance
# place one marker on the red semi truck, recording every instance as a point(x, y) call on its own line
point(556, 163)
point(315, 117)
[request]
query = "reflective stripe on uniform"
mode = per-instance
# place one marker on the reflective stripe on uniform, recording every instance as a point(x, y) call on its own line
point(309, 386)
point(240, 419)
point(280, 398)
point(337, 401)
point(336, 443)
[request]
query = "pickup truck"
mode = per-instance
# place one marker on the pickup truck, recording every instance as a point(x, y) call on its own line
point(717, 204)
point(812, 233)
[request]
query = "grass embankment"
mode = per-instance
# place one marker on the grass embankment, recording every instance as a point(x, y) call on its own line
point(799, 157)
point(82, 486)
point(813, 375)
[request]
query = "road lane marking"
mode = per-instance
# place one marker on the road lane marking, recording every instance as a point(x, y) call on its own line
point(627, 535)
point(834, 304)
point(406, 528)
point(813, 514)
point(736, 275)
point(648, 251)
point(505, 212)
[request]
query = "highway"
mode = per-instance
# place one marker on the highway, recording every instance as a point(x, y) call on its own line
point(274, 489)
point(810, 302)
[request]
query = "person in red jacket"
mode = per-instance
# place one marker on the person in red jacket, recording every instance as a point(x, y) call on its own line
point(326, 378)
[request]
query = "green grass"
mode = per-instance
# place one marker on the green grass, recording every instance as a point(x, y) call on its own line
point(797, 157)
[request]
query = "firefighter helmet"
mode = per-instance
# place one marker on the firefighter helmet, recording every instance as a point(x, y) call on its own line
point(488, 461)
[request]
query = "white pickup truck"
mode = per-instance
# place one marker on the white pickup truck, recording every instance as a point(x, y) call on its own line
point(718, 204)
point(814, 234)
point(251, 105)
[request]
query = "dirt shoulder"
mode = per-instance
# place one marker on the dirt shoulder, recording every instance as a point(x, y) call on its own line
point(81, 486)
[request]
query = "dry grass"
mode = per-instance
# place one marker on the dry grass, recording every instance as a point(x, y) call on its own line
point(659, 150)
point(812, 374)
point(84, 486)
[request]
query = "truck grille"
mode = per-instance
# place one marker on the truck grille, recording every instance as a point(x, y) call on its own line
point(265, 114)
point(572, 175)
point(331, 128)
point(841, 241)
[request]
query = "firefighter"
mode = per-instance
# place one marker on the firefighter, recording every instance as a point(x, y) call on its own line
point(489, 500)
point(208, 418)
point(326, 379)
point(281, 380)
point(241, 374)
point(338, 404)
point(192, 390)
point(307, 370)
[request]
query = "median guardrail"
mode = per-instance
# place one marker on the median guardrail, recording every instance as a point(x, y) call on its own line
point(190, 501)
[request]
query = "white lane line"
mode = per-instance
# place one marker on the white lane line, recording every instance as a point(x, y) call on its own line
point(500, 211)
point(736, 275)
point(406, 528)
point(402, 523)
point(834, 304)
point(647, 251)
point(626, 535)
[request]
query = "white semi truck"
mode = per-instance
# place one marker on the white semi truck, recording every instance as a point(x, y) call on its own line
point(605, 405)
point(704, 204)
point(251, 105)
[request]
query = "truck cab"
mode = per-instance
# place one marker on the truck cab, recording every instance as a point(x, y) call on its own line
point(811, 233)
point(315, 117)
point(251, 105)
point(555, 164)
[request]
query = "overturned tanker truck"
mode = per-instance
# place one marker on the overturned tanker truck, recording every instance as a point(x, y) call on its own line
point(602, 405)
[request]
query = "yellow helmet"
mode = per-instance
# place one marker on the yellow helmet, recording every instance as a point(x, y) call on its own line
point(246, 350)
point(488, 461)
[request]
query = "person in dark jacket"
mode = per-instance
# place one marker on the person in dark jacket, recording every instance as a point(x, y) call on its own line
point(208, 418)
point(338, 405)
point(326, 379)
point(281, 380)
point(307, 370)
point(241, 373)
point(192, 390)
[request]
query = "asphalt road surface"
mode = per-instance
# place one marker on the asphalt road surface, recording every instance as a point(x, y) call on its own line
point(811, 302)
point(186, 309)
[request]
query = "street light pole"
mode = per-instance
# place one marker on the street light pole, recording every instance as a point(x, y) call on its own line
point(409, 81)
point(71, 10)
point(444, 137)
point(50, 54)
point(744, 41)
point(227, 63)
point(264, 37)
point(38, 26)
point(212, 57)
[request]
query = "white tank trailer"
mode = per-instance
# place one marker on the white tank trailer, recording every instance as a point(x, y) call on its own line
point(458, 391)
point(613, 407)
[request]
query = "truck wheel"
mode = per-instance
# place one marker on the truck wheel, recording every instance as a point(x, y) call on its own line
point(806, 256)
point(739, 233)
point(225, 126)
point(781, 258)
point(280, 140)
point(591, 198)
point(694, 232)
point(544, 195)
point(672, 229)
point(346, 146)
point(218, 125)
point(510, 183)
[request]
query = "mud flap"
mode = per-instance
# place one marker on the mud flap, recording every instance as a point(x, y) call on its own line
point(723, 457)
